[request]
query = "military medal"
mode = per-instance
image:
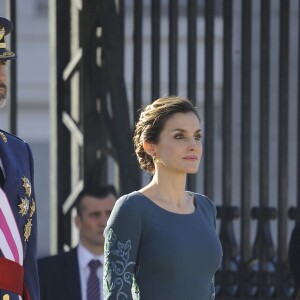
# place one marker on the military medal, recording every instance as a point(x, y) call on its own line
point(24, 207)
point(27, 186)
point(3, 136)
point(27, 229)
point(32, 208)
point(6, 297)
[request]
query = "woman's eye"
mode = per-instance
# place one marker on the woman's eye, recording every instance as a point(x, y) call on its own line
point(178, 136)
point(198, 137)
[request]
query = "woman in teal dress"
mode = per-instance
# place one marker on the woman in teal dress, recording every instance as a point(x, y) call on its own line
point(161, 242)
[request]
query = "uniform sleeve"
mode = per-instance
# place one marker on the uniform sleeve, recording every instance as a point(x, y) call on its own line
point(31, 285)
point(122, 238)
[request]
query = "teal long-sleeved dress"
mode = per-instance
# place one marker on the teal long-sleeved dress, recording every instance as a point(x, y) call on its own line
point(151, 253)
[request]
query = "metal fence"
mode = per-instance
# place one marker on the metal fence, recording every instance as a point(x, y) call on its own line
point(239, 62)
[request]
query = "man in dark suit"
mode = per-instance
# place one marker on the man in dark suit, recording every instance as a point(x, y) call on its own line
point(294, 256)
point(18, 222)
point(69, 275)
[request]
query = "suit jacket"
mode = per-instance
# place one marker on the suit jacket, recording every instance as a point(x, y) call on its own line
point(17, 160)
point(59, 277)
point(294, 254)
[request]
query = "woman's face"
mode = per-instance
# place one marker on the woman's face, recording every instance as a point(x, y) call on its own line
point(179, 147)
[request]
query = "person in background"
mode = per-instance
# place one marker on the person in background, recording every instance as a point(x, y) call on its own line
point(161, 241)
point(18, 219)
point(294, 257)
point(77, 274)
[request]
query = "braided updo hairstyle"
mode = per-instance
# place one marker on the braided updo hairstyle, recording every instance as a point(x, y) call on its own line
point(151, 122)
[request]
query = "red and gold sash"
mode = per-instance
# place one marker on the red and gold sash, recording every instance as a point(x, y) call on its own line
point(11, 265)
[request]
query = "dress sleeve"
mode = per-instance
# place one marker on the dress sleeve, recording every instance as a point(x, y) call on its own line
point(213, 289)
point(213, 212)
point(122, 238)
point(212, 209)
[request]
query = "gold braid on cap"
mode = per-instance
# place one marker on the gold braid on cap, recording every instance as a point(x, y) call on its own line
point(2, 32)
point(7, 53)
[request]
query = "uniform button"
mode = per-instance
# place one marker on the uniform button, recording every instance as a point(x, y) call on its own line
point(6, 297)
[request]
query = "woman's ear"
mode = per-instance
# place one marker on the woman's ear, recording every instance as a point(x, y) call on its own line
point(149, 148)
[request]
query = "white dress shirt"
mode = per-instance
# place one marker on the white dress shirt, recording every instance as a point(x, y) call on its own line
point(84, 257)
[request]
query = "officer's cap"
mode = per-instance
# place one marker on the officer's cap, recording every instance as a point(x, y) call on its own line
point(6, 27)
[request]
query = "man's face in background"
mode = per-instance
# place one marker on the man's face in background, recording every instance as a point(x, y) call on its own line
point(92, 221)
point(3, 81)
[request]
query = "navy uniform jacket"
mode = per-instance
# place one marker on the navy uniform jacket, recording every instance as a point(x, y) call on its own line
point(59, 277)
point(17, 160)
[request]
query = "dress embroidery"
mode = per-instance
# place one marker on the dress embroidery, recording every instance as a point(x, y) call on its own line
point(116, 273)
point(213, 291)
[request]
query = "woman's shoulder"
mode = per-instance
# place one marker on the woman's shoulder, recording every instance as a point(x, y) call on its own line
point(202, 198)
point(128, 201)
point(125, 210)
point(204, 201)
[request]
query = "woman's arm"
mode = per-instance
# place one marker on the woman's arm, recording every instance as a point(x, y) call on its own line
point(122, 238)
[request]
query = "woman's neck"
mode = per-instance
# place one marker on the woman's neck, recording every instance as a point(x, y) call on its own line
point(169, 189)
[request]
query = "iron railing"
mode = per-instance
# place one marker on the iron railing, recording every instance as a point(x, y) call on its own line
point(235, 60)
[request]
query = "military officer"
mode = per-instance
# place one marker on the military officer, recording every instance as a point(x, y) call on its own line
point(18, 232)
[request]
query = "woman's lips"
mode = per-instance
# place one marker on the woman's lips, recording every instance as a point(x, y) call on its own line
point(191, 157)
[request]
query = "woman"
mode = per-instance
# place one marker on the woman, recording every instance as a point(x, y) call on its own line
point(160, 241)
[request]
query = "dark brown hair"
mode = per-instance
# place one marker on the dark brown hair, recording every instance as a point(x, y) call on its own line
point(152, 121)
point(98, 192)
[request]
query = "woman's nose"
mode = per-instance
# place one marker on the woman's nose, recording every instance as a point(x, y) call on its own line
point(193, 144)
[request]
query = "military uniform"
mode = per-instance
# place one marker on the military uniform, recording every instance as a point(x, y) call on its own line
point(18, 222)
